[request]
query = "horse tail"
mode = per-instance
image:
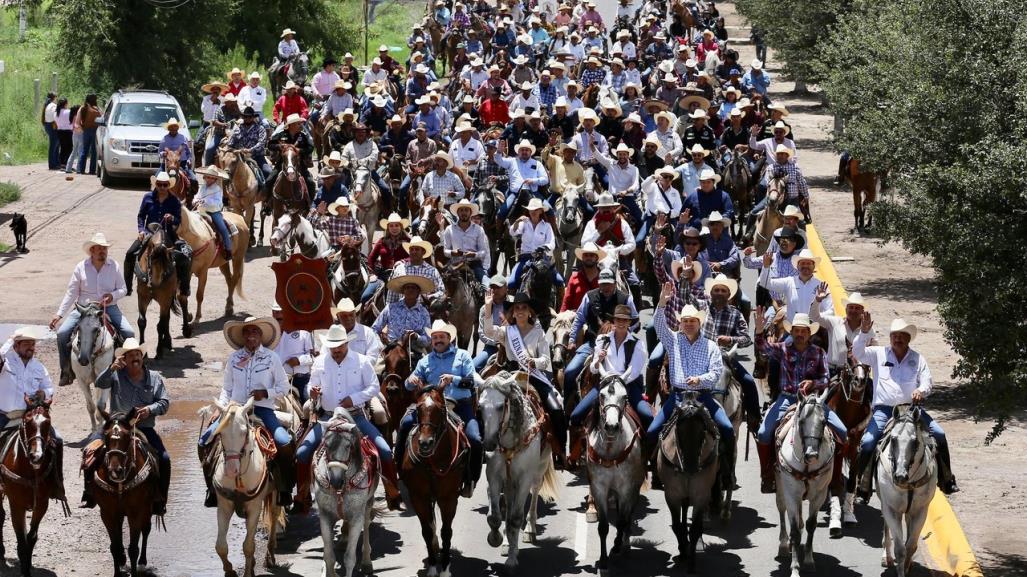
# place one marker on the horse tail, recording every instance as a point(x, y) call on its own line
point(549, 490)
point(175, 306)
point(238, 266)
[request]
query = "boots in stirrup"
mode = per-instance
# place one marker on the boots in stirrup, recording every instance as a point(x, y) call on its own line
point(768, 484)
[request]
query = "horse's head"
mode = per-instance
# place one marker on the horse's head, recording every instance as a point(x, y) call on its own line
point(172, 162)
point(561, 336)
point(236, 434)
point(89, 336)
point(342, 447)
point(300, 68)
point(904, 443)
point(158, 264)
point(118, 443)
point(501, 408)
point(568, 214)
point(692, 429)
point(284, 229)
point(613, 400)
point(36, 429)
point(811, 418)
point(290, 160)
point(431, 422)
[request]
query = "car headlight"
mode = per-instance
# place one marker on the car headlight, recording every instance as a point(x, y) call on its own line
point(118, 144)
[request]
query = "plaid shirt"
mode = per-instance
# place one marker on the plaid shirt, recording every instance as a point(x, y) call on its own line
point(546, 96)
point(448, 187)
point(486, 168)
point(797, 186)
point(810, 364)
point(336, 226)
point(590, 77)
point(616, 81)
point(727, 321)
point(685, 293)
point(399, 318)
point(424, 269)
point(687, 359)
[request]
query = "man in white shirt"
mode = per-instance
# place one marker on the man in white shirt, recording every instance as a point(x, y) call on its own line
point(297, 352)
point(212, 101)
point(660, 198)
point(96, 279)
point(375, 73)
point(466, 241)
point(324, 81)
point(799, 291)
point(525, 172)
point(589, 142)
point(362, 338)
point(901, 377)
point(621, 178)
point(842, 330)
point(253, 95)
point(465, 149)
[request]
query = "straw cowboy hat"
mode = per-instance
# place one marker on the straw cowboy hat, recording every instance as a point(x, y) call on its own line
point(606, 200)
point(443, 156)
point(590, 248)
point(780, 125)
point(464, 203)
point(342, 202)
point(698, 114)
point(345, 305)
point(525, 144)
point(715, 216)
point(130, 344)
point(254, 75)
point(666, 171)
point(690, 312)
point(441, 326)
point(335, 156)
point(33, 333)
point(294, 118)
point(687, 101)
point(535, 204)
point(855, 299)
point(212, 171)
point(418, 242)
point(335, 337)
point(208, 87)
point(623, 312)
point(723, 280)
point(678, 266)
point(287, 32)
point(782, 149)
point(98, 239)
point(424, 283)
point(709, 174)
point(234, 72)
point(802, 320)
point(805, 254)
point(270, 332)
point(172, 122)
point(698, 149)
point(669, 116)
point(660, 105)
point(394, 217)
point(792, 210)
point(342, 84)
point(900, 325)
point(290, 85)
point(778, 107)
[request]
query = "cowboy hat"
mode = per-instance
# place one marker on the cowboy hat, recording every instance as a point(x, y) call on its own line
point(780, 125)
point(287, 32)
point(677, 267)
point(342, 84)
point(736, 112)
point(805, 254)
point(778, 107)
point(698, 114)
point(793, 235)
point(130, 344)
point(336, 336)
point(212, 171)
point(669, 116)
point(608, 104)
point(212, 84)
point(234, 72)
point(690, 312)
point(464, 203)
point(669, 77)
point(792, 210)
point(383, 48)
point(445, 157)
point(756, 64)
point(342, 202)
point(172, 122)
point(589, 248)
point(441, 326)
point(732, 90)
point(651, 139)
point(782, 149)
point(606, 200)
point(586, 114)
point(624, 148)
point(567, 146)
point(229, 97)
point(855, 299)
point(270, 332)
point(802, 320)
point(293, 118)
point(623, 312)
point(525, 144)
point(900, 325)
point(344, 306)
point(34, 333)
point(698, 149)
point(690, 99)
point(290, 85)
point(335, 156)
point(708, 174)
point(497, 280)
point(393, 218)
point(666, 171)
point(98, 239)
point(660, 105)
point(423, 283)
point(715, 216)
point(723, 280)
point(535, 204)
point(421, 69)
point(417, 241)
point(463, 127)
point(397, 119)
point(634, 117)
point(378, 101)
point(373, 89)
point(254, 75)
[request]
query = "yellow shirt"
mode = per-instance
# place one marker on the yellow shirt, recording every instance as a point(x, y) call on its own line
point(563, 173)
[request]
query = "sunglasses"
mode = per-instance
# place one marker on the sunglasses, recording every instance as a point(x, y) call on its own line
point(163, 185)
point(691, 243)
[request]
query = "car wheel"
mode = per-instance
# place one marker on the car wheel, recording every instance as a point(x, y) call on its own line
point(105, 177)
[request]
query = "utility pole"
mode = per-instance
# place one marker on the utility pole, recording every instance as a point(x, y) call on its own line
point(366, 24)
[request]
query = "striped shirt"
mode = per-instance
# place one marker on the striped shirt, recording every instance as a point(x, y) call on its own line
point(424, 269)
point(448, 187)
point(688, 359)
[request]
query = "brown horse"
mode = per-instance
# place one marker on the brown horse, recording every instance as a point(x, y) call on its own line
point(398, 366)
point(125, 487)
point(351, 273)
point(851, 401)
point(680, 9)
point(433, 470)
point(30, 476)
point(590, 97)
point(289, 191)
point(181, 186)
point(864, 192)
point(242, 192)
point(158, 280)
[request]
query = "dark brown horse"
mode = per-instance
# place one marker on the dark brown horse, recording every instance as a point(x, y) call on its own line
point(158, 281)
point(354, 278)
point(398, 367)
point(125, 486)
point(181, 186)
point(433, 470)
point(289, 191)
point(864, 192)
point(30, 477)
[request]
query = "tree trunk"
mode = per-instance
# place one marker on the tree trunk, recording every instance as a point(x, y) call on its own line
point(800, 87)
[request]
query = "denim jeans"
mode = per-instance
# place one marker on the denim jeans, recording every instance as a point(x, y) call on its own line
point(211, 148)
point(482, 358)
point(881, 415)
point(222, 228)
point(53, 159)
point(76, 149)
point(472, 430)
point(67, 329)
point(727, 431)
point(576, 364)
point(88, 151)
point(635, 391)
point(305, 452)
point(769, 426)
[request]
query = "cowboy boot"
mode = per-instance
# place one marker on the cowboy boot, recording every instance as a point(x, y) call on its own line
point(286, 463)
point(651, 465)
point(128, 270)
point(390, 477)
point(88, 502)
point(858, 482)
point(160, 505)
point(768, 484)
point(302, 501)
point(727, 469)
point(946, 479)
point(210, 500)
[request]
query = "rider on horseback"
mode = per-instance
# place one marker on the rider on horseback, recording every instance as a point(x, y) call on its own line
point(209, 201)
point(796, 192)
point(297, 352)
point(405, 315)
point(96, 279)
point(288, 48)
point(338, 223)
point(706, 199)
point(362, 151)
point(175, 140)
point(842, 331)
point(296, 135)
point(161, 210)
point(465, 241)
point(535, 233)
point(251, 136)
point(288, 105)
point(417, 265)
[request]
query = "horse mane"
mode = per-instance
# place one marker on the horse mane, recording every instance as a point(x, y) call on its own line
point(506, 384)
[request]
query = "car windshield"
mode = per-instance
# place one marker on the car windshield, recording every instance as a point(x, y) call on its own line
point(144, 114)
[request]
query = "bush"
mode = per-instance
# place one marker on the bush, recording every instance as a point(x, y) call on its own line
point(9, 192)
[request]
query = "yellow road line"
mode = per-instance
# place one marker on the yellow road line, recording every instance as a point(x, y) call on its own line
point(946, 544)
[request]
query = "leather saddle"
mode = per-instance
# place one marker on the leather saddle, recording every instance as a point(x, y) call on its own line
point(670, 447)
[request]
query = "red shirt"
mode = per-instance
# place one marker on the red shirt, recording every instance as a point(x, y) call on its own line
point(577, 286)
point(385, 257)
point(494, 111)
point(235, 87)
point(287, 105)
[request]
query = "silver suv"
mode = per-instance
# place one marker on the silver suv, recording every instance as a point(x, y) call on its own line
point(130, 131)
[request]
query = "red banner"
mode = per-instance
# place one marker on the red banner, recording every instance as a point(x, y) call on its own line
point(303, 293)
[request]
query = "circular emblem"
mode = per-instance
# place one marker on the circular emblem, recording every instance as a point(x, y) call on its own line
point(304, 293)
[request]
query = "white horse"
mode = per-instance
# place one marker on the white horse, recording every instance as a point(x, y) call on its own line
point(906, 482)
point(293, 234)
point(520, 465)
point(570, 224)
point(92, 352)
point(243, 483)
point(365, 195)
point(346, 480)
point(805, 460)
point(616, 468)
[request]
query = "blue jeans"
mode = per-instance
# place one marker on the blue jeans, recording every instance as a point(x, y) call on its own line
point(211, 148)
point(576, 364)
point(222, 228)
point(305, 452)
point(727, 431)
point(53, 157)
point(514, 282)
point(635, 391)
point(67, 329)
point(369, 290)
point(88, 151)
point(483, 356)
point(463, 410)
point(266, 416)
point(299, 382)
point(769, 426)
point(880, 417)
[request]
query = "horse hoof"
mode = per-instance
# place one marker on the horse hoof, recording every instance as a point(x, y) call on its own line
point(510, 566)
point(591, 516)
point(808, 564)
point(783, 551)
point(835, 532)
point(495, 538)
point(367, 568)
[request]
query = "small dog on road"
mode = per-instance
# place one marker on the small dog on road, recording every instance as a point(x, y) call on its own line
point(20, 227)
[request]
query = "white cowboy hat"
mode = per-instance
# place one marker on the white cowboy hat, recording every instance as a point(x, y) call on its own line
point(802, 320)
point(623, 33)
point(590, 248)
point(690, 312)
point(623, 148)
point(393, 218)
point(668, 115)
point(691, 63)
point(697, 114)
point(606, 200)
point(344, 306)
point(677, 266)
point(380, 101)
point(270, 332)
point(335, 156)
point(441, 326)
point(732, 90)
point(561, 102)
point(666, 171)
point(234, 72)
point(724, 280)
point(397, 119)
point(130, 344)
point(756, 64)
point(855, 299)
point(342, 202)
point(336, 336)
point(781, 125)
point(715, 216)
point(290, 85)
point(778, 107)
point(709, 174)
point(418, 242)
point(535, 204)
point(287, 32)
point(609, 104)
point(669, 77)
point(162, 177)
point(348, 112)
point(567, 146)
point(805, 254)
point(792, 210)
point(98, 239)
point(698, 149)
point(383, 48)
point(651, 139)
point(254, 75)
point(293, 118)
point(212, 171)
point(736, 112)
point(33, 333)
point(463, 127)
point(525, 144)
point(900, 325)
point(785, 150)
point(464, 203)
point(172, 122)
point(424, 283)
point(633, 117)
point(421, 69)
point(444, 156)
point(342, 84)
point(586, 114)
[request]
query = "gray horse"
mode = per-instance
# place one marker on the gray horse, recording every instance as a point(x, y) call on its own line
point(92, 352)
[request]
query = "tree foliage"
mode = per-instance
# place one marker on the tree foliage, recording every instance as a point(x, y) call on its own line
point(796, 29)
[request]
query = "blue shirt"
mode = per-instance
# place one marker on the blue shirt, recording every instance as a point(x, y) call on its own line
point(151, 210)
point(538, 35)
point(453, 361)
point(399, 318)
point(687, 359)
point(177, 142)
point(521, 170)
point(724, 251)
point(431, 122)
point(758, 84)
point(702, 204)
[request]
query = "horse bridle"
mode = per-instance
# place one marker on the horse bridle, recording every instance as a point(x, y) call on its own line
point(435, 436)
point(26, 441)
point(129, 460)
point(245, 450)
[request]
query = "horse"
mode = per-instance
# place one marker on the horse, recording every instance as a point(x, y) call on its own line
point(688, 465)
point(519, 467)
point(738, 182)
point(864, 192)
point(488, 203)
point(435, 33)
point(243, 191)
point(289, 191)
point(365, 195)
point(125, 487)
point(537, 283)
point(158, 280)
point(805, 458)
point(729, 393)
point(199, 234)
point(397, 359)
point(242, 481)
point(463, 312)
point(616, 465)
point(570, 224)
point(346, 474)
point(906, 481)
point(29, 474)
point(771, 218)
point(299, 67)
point(350, 276)
point(181, 186)
point(851, 401)
point(433, 471)
point(93, 352)
point(295, 234)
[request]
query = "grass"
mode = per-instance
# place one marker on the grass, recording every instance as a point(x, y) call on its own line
point(9, 192)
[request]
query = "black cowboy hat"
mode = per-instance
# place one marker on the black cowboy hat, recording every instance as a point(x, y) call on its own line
point(524, 299)
point(248, 112)
point(792, 235)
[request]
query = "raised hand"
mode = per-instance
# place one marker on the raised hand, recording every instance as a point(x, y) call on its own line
point(868, 322)
point(666, 292)
point(822, 292)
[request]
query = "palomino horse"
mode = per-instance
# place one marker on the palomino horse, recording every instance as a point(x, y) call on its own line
point(398, 367)
point(616, 466)
point(433, 471)
point(125, 487)
point(295, 234)
point(906, 481)
point(206, 255)
point(570, 224)
point(728, 393)
point(29, 474)
point(242, 481)
point(158, 281)
point(864, 192)
point(463, 311)
point(520, 466)
point(365, 195)
point(93, 352)
point(289, 191)
point(851, 401)
point(771, 218)
point(346, 474)
point(805, 459)
point(688, 465)
point(738, 182)
point(242, 191)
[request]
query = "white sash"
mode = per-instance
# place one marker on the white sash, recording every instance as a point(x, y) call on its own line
point(520, 352)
